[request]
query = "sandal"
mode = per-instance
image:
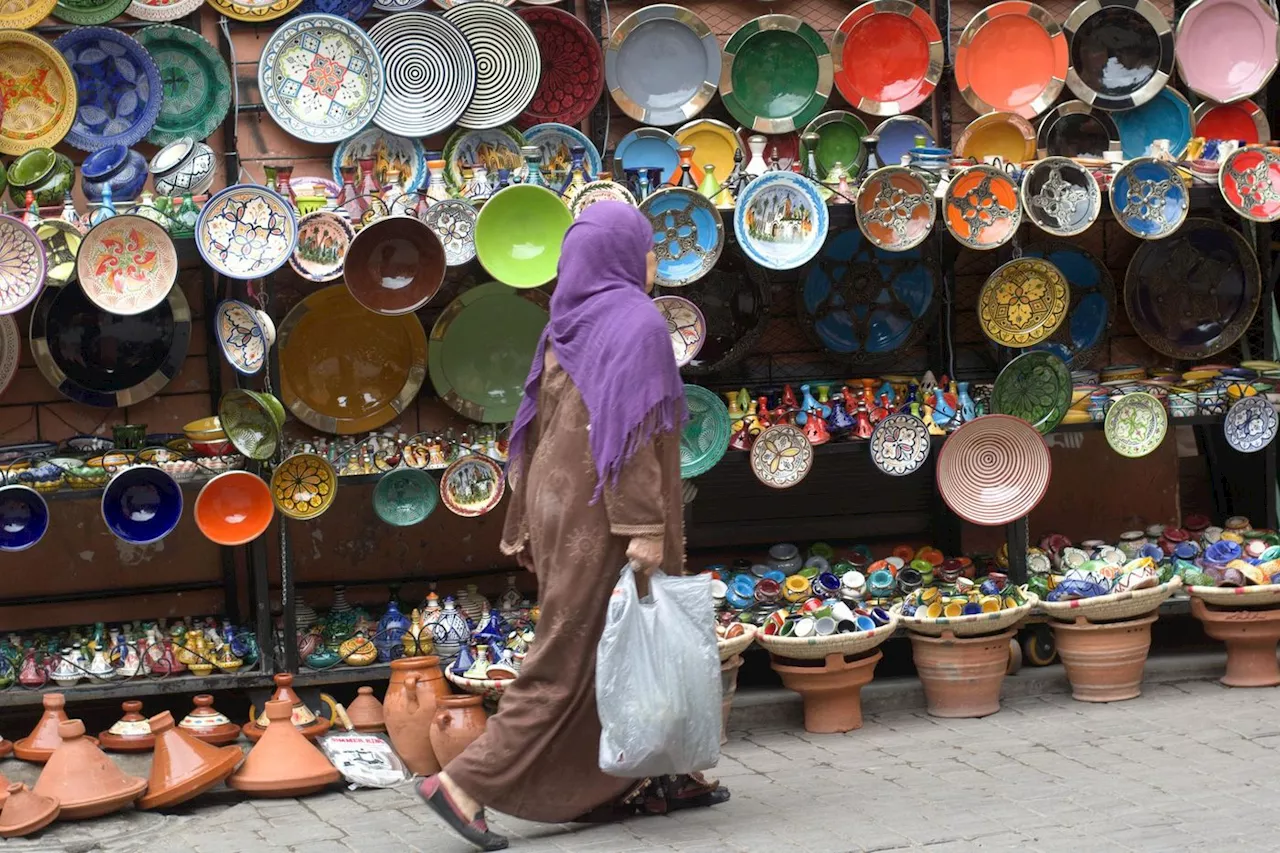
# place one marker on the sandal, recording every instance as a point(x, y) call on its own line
point(476, 830)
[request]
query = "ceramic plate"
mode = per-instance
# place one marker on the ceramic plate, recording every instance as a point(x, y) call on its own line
point(397, 6)
point(507, 61)
point(1035, 386)
point(1148, 198)
point(1075, 129)
point(888, 57)
point(572, 68)
point(61, 241)
point(1006, 136)
point(22, 265)
point(1136, 424)
point(1166, 116)
point(714, 144)
point(323, 240)
point(1250, 182)
point(900, 444)
point(472, 486)
point(454, 221)
point(40, 93)
point(21, 14)
point(246, 231)
point(256, 11)
point(1251, 424)
point(241, 336)
point(1244, 121)
point(688, 234)
point(431, 73)
point(395, 265)
point(118, 85)
point(10, 350)
point(107, 360)
point(1023, 302)
point(648, 147)
point(556, 142)
point(1093, 302)
point(777, 74)
point(705, 436)
point(127, 264)
point(594, 191)
point(405, 497)
point(897, 136)
point(662, 64)
point(333, 386)
point(1012, 57)
point(785, 146)
point(981, 207)
point(163, 10)
point(481, 347)
point(304, 486)
point(780, 220)
point(685, 324)
point(388, 151)
point(1060, 196)
point(195, 81)
point(994, 469)
point(895, 208)
point(519, 233)
point(1192, 295)
point(839, 141)
point(781, 456)
point(352, 10)
point(88, 13)
point(1121, 52)
point(496, 149)
point(735, 308)
point(1227, 48)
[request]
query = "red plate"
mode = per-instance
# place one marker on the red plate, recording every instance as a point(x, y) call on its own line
point(888, 56)
point(1012, 58)
point(572, 68)
point(1250, 182)
point(1242, 120)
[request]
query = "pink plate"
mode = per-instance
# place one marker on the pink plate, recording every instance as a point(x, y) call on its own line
point(1226, 49)
point(22, 265)
point(994, 469)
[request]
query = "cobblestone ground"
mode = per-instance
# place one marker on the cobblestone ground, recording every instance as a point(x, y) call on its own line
point(1175, 770)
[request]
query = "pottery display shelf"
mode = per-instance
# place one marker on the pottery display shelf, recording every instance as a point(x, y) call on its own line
point(17, 695)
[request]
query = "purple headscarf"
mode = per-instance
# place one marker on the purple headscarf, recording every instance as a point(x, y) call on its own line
point(610, 339)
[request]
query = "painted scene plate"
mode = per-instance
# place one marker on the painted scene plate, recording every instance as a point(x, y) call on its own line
point(495, 149)
point(780, 221)
point(594, 191)
point(472, 486)
point(388, 151)
point(556, 142)
point(323, 240)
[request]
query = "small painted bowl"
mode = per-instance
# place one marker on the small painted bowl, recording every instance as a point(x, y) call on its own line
point(24, 517)
point(234, 508)
point(407, 496)
point(142, 505)
point(205, 429)
point(244, 335)
point(212, 448)
point(304, 486)
point(183, 167)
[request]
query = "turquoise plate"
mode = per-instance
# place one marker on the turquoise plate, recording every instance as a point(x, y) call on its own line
point(705, 436)
point(405, 496)
point(1166, 116)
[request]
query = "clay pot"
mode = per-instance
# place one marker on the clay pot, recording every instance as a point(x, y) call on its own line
point(26, 812)
point(304, 719)
point(84, 779)
point(184, 767)
point(6, 747)
point(962, 676)
point(409, 706)
point(44, 738)
point(728, 690)
point(459, 720)
point(365, 712)
point(1250, 637)
point(283, 763)
point(1104, 661)
point(208, 724)
point(131, 733)
point(832, 690)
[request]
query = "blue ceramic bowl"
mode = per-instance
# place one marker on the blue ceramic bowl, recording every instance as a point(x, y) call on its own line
point(880, 583)
point(865, 623)
point(142, 505)
point(123, 170)
point(1185, 550)
point(1223, 551)
point(24, 518)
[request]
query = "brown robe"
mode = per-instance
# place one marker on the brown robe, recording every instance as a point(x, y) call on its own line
point(538, 759)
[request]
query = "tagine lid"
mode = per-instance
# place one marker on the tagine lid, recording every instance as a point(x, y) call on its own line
point(304, 719)
point(131, 733)
point(184, 766)
point(207, 723)
point(26, 812)
point(44, 738)
point(365, 712)
point(283, 763)
point(6, 747)
point(83, 778)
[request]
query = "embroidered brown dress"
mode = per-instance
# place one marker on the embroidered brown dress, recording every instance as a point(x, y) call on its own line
point(538, 758)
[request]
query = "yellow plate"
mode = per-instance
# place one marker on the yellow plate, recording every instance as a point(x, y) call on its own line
point(1199, 375)
point(1260, 366)
point(252, 12)
point(39, 91)
point(24, 14)
point(1023, 302)
point(1076, 416)
point(304, 486)
point(714, 142)
point(1005, 135)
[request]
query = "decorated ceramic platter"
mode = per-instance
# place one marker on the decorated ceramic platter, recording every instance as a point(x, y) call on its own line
point(981, 208)
point(1023, 302)
point(1093, 302)
point(22, 14)
point(840, 136)
point(508, 65)
point(1250, 182)
point(705, 436)
point(685, 324)
point(780, 221)
point(1244, 121)
point(1035, 386)
point(472, 486)
point(405, 497)
point(900, 444)
point(647, 147)
point(1148, 198)
point(244, 335)
point(22, 265)
point(89, 13)
point(776, 75)
point(495, 148)
point(994, 469)
point(1121, 52)
point(398, 6)
point(572, 68)
point(1075, 129)
point(556, 142)
point(127, 264)
point(323, 240)
point(897, 137)
point(388, 151)
point(10, 350)
point(195, 80)
point(254, 11)
point(304, 486)
point(1251, 424)
point(662, 64)
point(163, 10)
point(61, 242)
point(895, 208)
point(735, 305)
point(431, 73)
point(688, 234)
point(714, 144)
point(1166, 116)
point(1227, 48)
point(40, 93)
point(1012, 57)
point(1060, 196)
point(594, 191)
point(454, 221)
point(888, 57)
point(1136, 424)
point(352, 10)
point(246, 231)
point(781, 456)
point(118, 86)
point(1007, 137)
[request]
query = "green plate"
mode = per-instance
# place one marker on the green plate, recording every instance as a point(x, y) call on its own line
point(705, 436)
point(1035, 386)
point(89, 13)
point(839, 141)
point(197, 84)
point(405, 496)
point(776, 74)
point(519, 232)
point(1136, 424)
point(481, 347)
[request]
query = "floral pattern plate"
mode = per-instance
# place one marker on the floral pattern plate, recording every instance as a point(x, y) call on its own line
point(388, 151)
point(1023, 302)
point(1149, 198)
point(246, 231)
point(454, 222)
point(1250, 182)
point(127, 264)
point(1060, 196)
point(705, 436)
point(688, 234)
point(685, 324)
point(982, 208)
point(39, 93)
point(780, 221)
point(196, 80)
point(1093, 302)
point(118, 86)
point(900, 444)
point(1251, 424)
point(323, 240)
point(572, 68)
point(1035, 386)
point(304, 486)
point(1136, 424)
point(994, 469)
point(242, 337)
point(89, 13)
point(472, 486)
point(895, 208)
point(22, 265)
point(495, 148)
point(781, 456)
point(22, 14)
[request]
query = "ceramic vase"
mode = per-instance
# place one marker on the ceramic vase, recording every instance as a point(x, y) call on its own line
point(409, 707)
point(459, 720)
point(391, 629)
point(449, 631)
point(1104, 661)
point(757, 165)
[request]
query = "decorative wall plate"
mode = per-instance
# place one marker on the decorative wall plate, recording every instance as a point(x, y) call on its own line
point(994, 469)
point(1012, 57)
point(242, 336)
point(246, 231)
point(705, 436)
point(1251, 424)
point(556, 142)
point(395, 7)
point(1136, 424)
point(22, 265)
point(61, 241)
point(1250, 182)
point(735, 306)
point(406, 156)
point(897, 136)
point(900, 444)
point(1121, 52)
point(780, 220)
point(454, 221)
point(127, 264)
point(777, 74)
point(472, 486)
point(888, 57)
point(781, 456)
point(648, 147)
point(395, 265)
point(688, 234)
point(23, 14)
point(662, 64)
point(1007, 136)
point(785, 145)
point(594, 191)
point(320, 78)
point(981, 208)
point(10, 350)
point(304, 486)
point(39, 93)
point(163, 10)
point(1035, 386)
point(1093, 302)
point(1149, 199)
point(118, 87)
point(1075, 129)
point(1023, 302)
point(572, 68)
point(405, 497)
point(494, 148)
point(508, 65)
point(1227, 48)
point(352, 10)
point(89, 13)
point(1192, 295)
point(714, 143)
point(256, 11)
point(839, 141)
point(195, 81)
point(431, 72)
point(1060, 196)
point(895, 208)
point(1166, 116)
point(1243, 120)
point(685, 324)
point(323, 240)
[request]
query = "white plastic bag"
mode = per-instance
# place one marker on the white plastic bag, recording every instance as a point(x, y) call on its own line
point(658, 679)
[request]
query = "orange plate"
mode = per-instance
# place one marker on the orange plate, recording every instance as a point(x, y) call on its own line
point(234, 508)
point(895, 208)
point(982, 209)
point(1012, 56)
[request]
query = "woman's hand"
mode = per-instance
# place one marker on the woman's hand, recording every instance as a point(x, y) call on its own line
point(646, 553)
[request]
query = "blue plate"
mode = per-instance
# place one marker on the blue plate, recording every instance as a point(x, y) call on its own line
point(555, 141)
point(1149, 198)
point(1093, 302)
point(780, 220)
point(1166, 116)
point(352, 10)
point(648, 147)
point(688, 234)
point(142, 505)
point(898, 137)
point(117, 85)
point(24, 518)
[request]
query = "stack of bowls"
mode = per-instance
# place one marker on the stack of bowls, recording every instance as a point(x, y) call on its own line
point(207, 437)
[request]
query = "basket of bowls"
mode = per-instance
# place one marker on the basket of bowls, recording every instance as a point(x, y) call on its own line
point(971, 609)
point(734, 639)
point(852, 636)
point(1135, 591)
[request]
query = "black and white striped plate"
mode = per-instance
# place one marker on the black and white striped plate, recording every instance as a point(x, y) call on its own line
point(507, 61)
point(430, 73)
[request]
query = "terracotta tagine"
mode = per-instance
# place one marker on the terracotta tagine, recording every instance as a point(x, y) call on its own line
point(26, 812)
point(184, 767)
point(304, 719)
point(84, 779)
point(831, 690)
point(4, 789)
point(283, 763)
point(131, 733)
point(208, 724)
point(1250, 637)
point(6, 747)
point(365, 712)
point(459, 720)
point(1104, 661)
point(409, 707)
point(962, 676)
point(728, 690)
point(44, 738)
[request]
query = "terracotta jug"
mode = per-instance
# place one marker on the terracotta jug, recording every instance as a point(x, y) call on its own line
point(184, 767)
point(208, 724)
point(131, 733)
point(304, 719)
point(365, 712)
point(459, 720)
point(84, 779)
point(26, 812)
point(283, 763)
point(410, 706)
point(44, 738)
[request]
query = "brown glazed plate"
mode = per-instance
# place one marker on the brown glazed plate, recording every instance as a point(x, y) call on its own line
point(395, 265)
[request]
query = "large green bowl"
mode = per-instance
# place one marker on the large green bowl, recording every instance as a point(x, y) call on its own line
point(518, 235)
point(252, 421)
point(405, 496)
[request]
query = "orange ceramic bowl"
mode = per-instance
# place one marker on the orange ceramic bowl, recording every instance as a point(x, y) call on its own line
point(234, 508)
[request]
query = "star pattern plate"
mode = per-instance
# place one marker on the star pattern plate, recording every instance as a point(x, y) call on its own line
point(1250, 182)
point(1251, 424)
point(1149, 198)
point(982, 208)
point(900, 444)
point(1023, 302)
point(781, 456)
point(1035, 386)
point(895, 208)
point(1060, 196)
point(688, 234)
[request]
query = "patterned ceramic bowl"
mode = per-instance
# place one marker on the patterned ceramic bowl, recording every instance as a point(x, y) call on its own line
point(183, 167)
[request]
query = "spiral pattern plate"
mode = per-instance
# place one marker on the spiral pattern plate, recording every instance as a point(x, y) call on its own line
point(994, 469)
point(508, 64)
point(430, 73)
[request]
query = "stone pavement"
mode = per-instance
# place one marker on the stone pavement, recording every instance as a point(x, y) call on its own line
point(1188, 766)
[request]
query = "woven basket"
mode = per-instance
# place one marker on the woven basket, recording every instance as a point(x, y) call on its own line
point(738, 645)
point(974, 625)
point(489, 688)
point(1114, 607)
point(1237, 596)
point(817, 648)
